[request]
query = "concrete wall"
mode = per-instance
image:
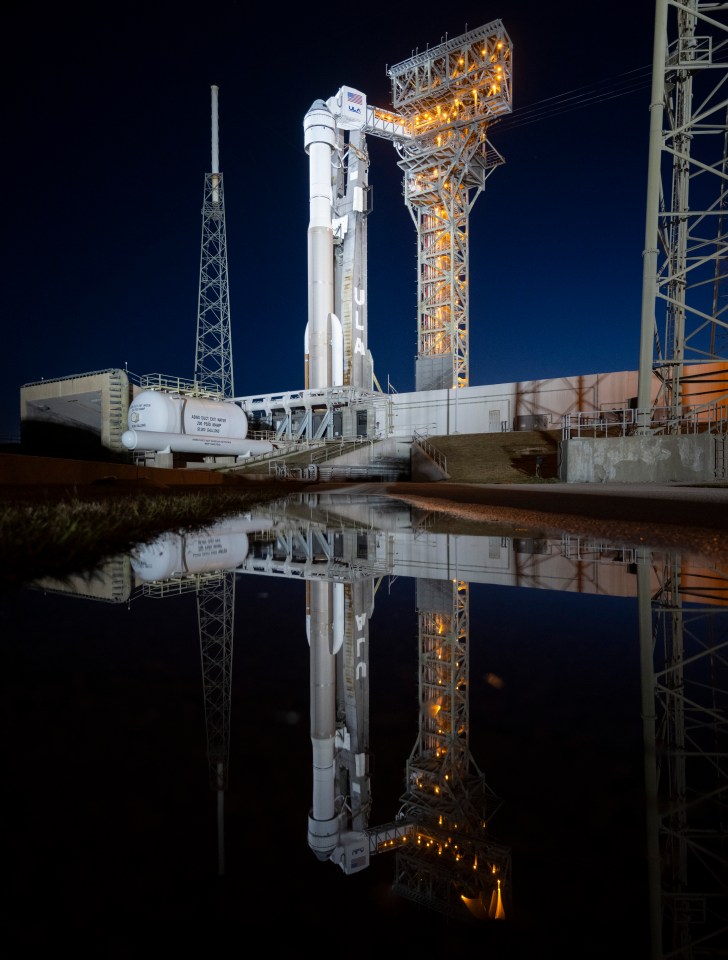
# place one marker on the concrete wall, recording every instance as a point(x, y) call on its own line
point(97, 403)
point(492, 408)
point(689, 458)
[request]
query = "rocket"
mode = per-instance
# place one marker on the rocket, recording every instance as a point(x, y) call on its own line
point(324, 337)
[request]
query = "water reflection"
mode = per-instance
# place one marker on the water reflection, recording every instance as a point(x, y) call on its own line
point(450, 848)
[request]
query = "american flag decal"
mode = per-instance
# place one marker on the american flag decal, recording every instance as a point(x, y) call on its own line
point(353, 97)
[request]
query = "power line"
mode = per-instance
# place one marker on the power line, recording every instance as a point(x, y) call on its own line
point(623, 85)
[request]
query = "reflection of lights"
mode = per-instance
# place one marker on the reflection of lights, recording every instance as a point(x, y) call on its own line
point(496, 904)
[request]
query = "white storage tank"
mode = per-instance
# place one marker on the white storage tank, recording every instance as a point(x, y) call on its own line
point(160, 412)
point(152, 410)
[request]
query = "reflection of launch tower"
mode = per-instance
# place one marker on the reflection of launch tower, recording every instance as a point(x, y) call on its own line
point(448, 860)
point(683, 637)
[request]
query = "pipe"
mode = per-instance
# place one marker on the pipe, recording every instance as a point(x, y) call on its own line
point(193, 443)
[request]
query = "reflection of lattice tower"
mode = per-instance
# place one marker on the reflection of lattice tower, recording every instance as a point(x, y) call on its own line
point(683, 636)
point(215, 612)
point(685, 262)
point(216, 617)
point(449, 862)
point(213, 356)
point(448, 96)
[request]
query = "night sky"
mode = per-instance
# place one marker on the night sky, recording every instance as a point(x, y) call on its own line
point(107, 142)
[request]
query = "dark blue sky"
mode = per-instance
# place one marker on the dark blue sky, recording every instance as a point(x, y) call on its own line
point(107, 141)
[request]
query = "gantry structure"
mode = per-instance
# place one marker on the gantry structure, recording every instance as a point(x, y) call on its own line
point(685, 262)
point(443, 102)
point(447, 97)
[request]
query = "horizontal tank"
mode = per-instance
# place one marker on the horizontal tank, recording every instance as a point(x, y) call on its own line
point(193, 443)
point(169, 413)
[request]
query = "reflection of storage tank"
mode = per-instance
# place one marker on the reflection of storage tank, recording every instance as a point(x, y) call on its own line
point(170, 413)
point(160, 559)
point(178, 555)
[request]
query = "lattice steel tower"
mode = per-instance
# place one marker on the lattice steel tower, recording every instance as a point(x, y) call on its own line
point(214, 374)
point(213, 356)
point(685, 261)
point(447, 97)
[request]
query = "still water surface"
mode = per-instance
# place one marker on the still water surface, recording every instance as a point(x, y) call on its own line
point(321, 723)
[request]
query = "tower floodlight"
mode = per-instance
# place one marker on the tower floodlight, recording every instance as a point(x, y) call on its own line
point(213, 356)
point(445, 99)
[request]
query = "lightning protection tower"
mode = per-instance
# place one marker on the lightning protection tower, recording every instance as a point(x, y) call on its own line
point(214, 375)
point(213, 357)
point(447, 97)
point(685, 260)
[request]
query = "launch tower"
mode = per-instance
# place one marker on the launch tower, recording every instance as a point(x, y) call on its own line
point(444, 100)
point(447, 97)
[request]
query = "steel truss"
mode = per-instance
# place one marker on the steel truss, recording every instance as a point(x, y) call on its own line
point(446, 98)
point(216, 621)
point(685, 278)
point(213, 356)
point(684, 639)
point(214, 373)
point(449, 861)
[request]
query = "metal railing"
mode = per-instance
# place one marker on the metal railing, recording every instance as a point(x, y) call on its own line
point(708, 418)
point(161, 381)
point(435, 455)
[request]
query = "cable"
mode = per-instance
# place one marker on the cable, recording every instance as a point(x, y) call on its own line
point(623, 85)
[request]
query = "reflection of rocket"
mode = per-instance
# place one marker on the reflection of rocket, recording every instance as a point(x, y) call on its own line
point(331, 835)
point(323, 626)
